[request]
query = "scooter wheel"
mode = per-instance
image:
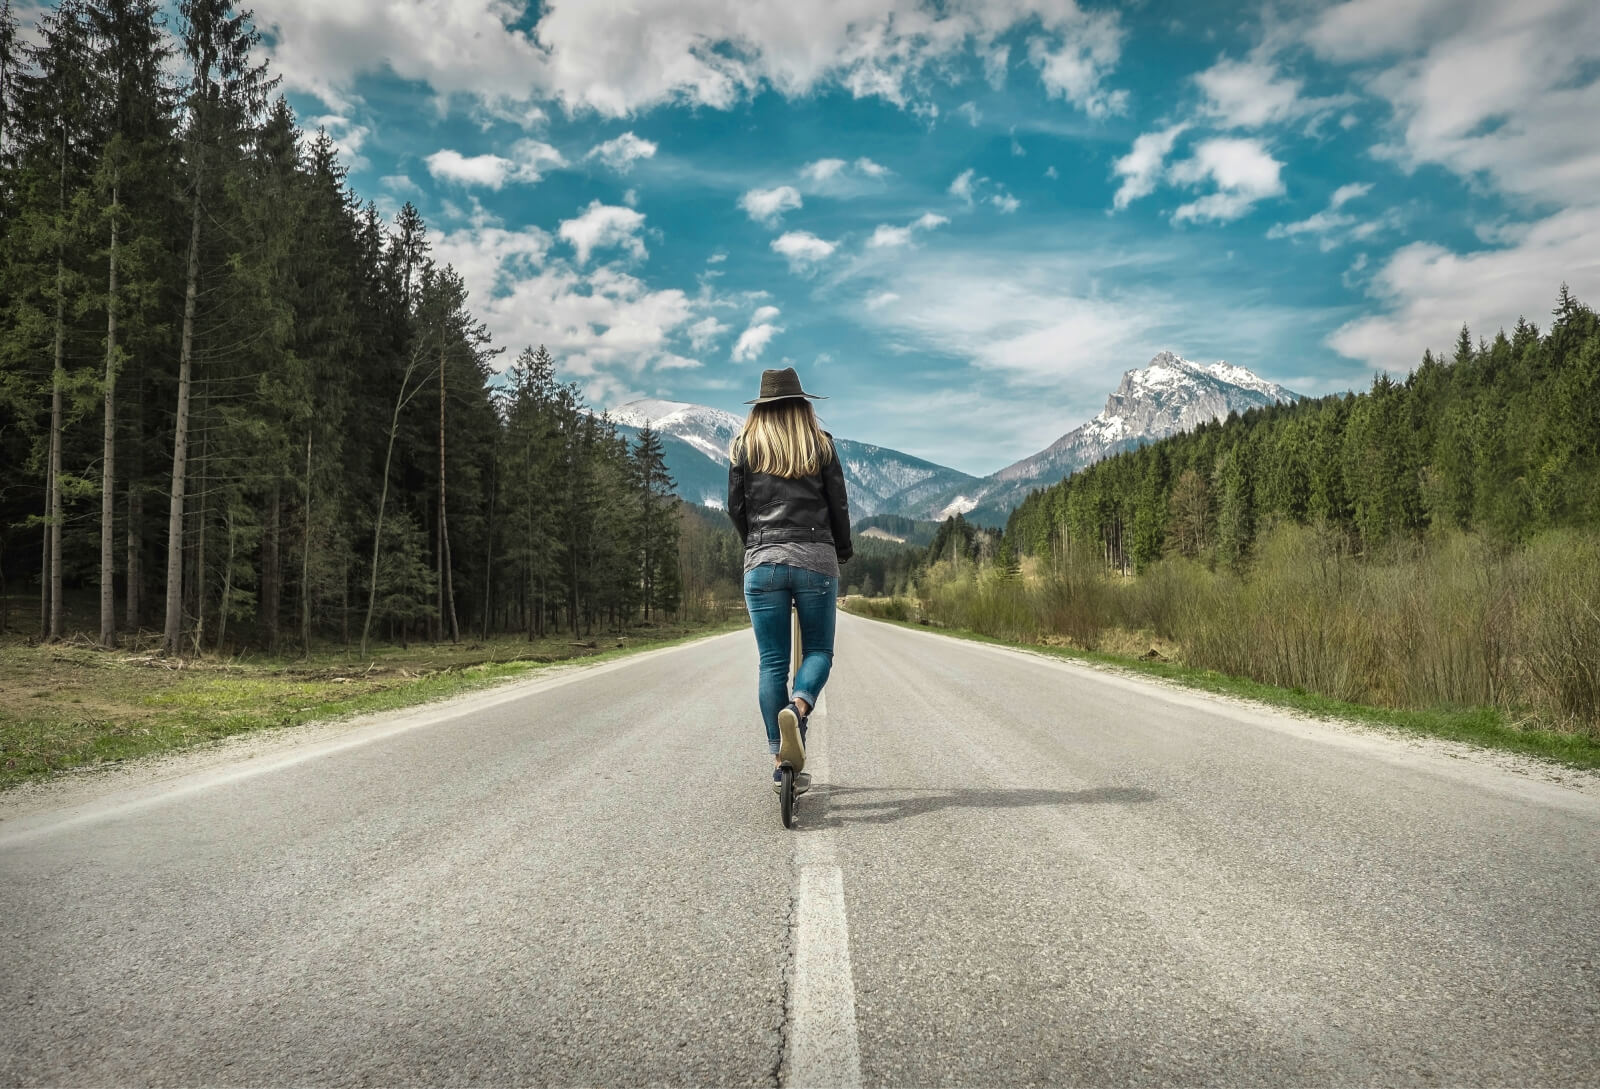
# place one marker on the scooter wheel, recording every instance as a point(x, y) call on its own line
point(786, 796)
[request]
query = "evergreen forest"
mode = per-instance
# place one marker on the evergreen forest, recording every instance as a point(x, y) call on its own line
point(239, 407)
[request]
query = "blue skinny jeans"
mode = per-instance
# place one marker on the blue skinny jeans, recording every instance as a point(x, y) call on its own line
point(769, 591)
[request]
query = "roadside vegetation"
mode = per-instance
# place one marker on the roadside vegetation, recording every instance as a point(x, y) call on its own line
point(1425, 554)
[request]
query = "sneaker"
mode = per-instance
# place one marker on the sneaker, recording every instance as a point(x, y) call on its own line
point(791, 738)
point(802, 782)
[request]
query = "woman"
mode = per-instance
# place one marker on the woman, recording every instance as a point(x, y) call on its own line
point(786, 498)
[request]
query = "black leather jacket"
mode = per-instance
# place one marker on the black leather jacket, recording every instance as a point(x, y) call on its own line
point(766, 509)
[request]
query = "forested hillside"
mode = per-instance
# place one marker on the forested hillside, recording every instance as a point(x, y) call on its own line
point(1502, 437)
point(1432, 544)
point(242, 408)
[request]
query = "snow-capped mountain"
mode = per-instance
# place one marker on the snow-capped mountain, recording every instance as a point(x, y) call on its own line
point(1168, 395)
point(880, 479)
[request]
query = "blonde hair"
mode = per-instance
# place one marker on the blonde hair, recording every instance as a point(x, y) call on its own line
point(783, 438)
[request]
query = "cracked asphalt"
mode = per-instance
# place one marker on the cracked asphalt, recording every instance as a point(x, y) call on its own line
point(1051, 875)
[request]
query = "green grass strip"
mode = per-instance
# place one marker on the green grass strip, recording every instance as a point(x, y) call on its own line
point(1485, 727)
point(99, 712)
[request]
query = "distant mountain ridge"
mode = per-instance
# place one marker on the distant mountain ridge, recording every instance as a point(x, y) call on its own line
point(880, 479)
point(1168, 395)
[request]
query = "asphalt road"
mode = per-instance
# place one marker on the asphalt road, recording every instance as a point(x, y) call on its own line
point(1012, 871)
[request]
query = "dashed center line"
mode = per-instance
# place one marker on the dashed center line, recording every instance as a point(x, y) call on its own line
point(820, 1045)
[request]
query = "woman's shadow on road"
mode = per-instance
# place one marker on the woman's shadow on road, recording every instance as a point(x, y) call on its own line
point(840, 805)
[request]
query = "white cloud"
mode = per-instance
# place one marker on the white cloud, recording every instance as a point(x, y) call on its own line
point(1050, 172)
point(1333, 227)
point(530, 158)
point(600, 326)
point(962, 187)
point(604, 226)
point(802, 249)
point(872, 169)
point(888, 235)
point(1005, 202)
point(879, 299)
point(822, 169)
point(703, 332)
point(768, 205)
point(1076, 68)
point(756, 336)
point(1427, 291)
point(399, 183)
point(1141, 168)
point(970, 111)
point(618, 60)
point(622, 152)
point(1242, 171)
point(1346, 193)
point(1250, 94)
point(1500, 91)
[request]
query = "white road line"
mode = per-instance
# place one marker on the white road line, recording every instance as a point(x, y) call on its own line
point(820, 1046)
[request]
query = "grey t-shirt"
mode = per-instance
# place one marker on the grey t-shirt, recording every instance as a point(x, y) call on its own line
point(812, 555)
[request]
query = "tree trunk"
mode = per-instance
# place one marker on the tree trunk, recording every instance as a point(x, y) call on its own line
point(305, 566)
point(488, 547)
point(173, 628)
point(133, 607)
point(447, 588)
point(202, 509)
point(227, 587)
point(108, 497)
point(56, 606)
point(383, 500)
point(271, 581)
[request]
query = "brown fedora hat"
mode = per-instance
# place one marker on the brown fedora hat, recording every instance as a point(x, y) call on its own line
point(781, 386)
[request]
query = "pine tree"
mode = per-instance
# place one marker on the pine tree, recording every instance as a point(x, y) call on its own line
point(130, 50)
point(226, 92)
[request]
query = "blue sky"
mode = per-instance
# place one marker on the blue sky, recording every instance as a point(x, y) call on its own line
point(963, 221)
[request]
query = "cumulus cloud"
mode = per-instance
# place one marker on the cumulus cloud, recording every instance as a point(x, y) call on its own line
point(970, 111)
point(1252, 93)
point(768, 205)
point(1075, 69)
point(622, 152)
point(872, 169)
point(1503, 92)
point(803, 249)
point(1427, 291)
point(962, 187)
point(1242, 171)
point(603, 326)
point(970, 188)
point(705, 331)
point(889, 235)
point(604, 226)
point(822, 169)
point(756, 336)
point(1141, 168)
point(529, 160)
point(618, 60)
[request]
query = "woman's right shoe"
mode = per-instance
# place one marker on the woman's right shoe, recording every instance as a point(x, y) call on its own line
point(802, 782)
point(791, 742)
